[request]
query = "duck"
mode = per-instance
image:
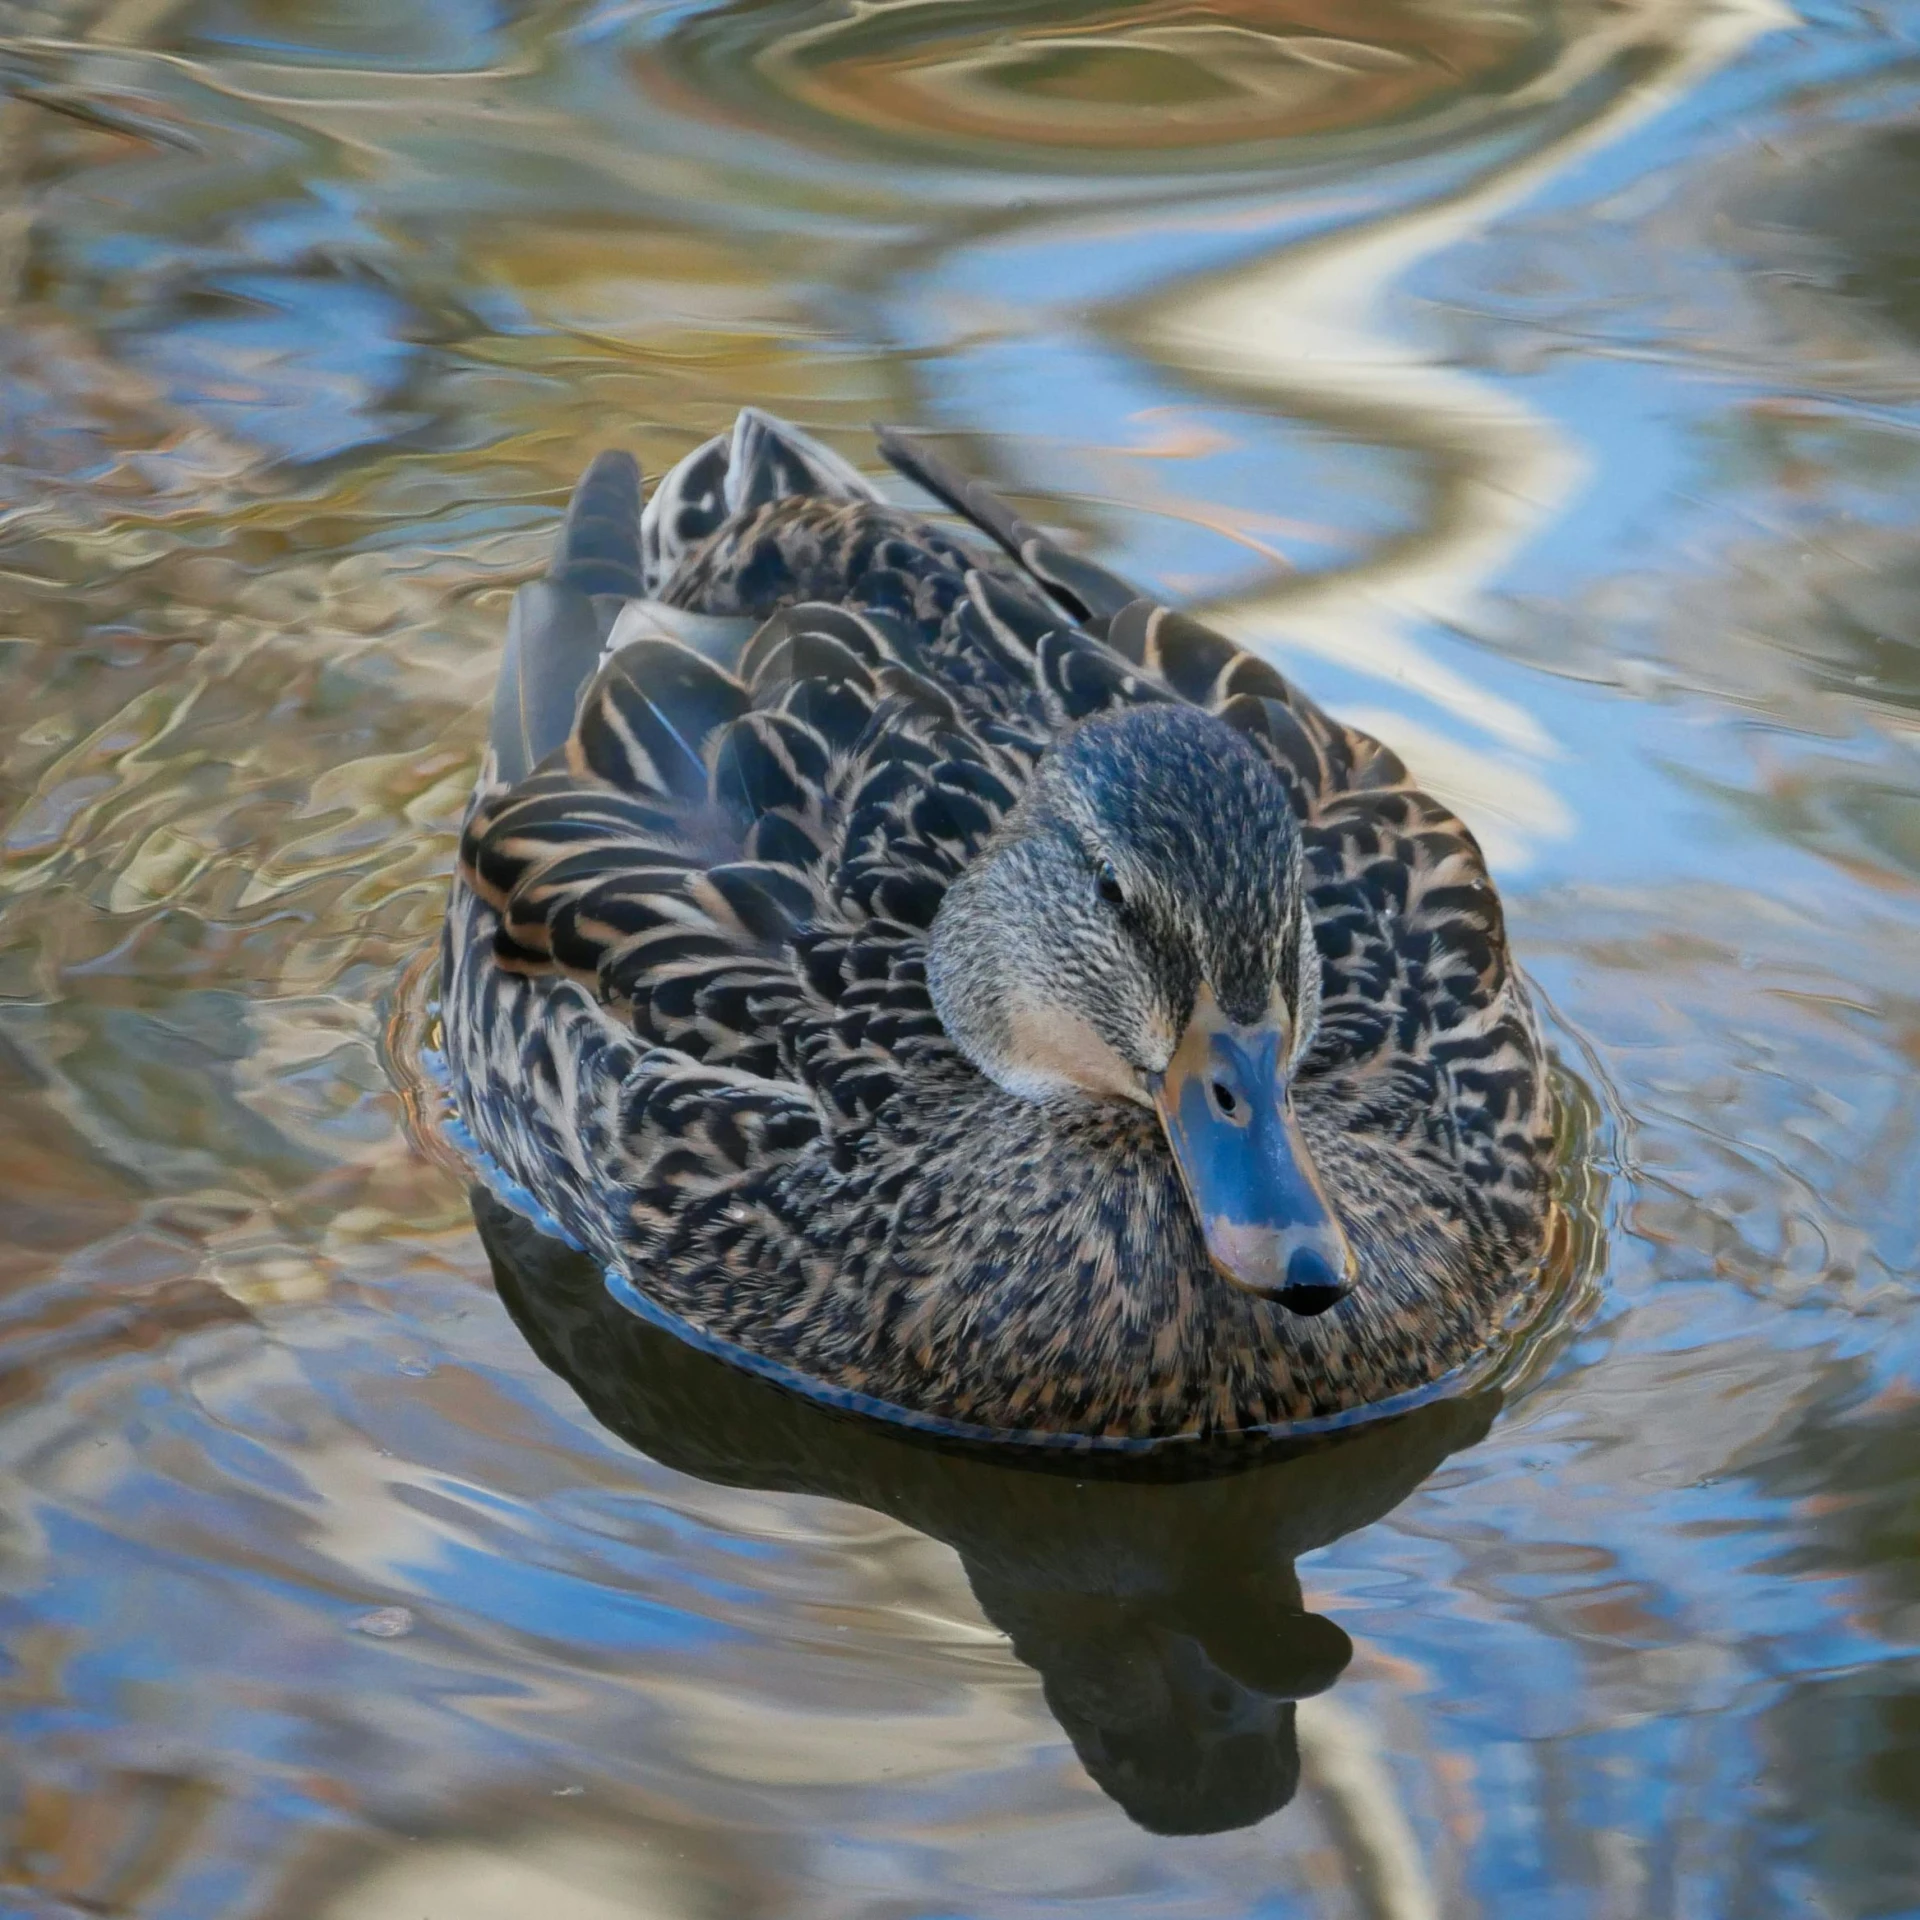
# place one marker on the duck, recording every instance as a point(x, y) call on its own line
point(929, 972)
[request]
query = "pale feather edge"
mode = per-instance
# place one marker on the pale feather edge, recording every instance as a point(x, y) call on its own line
point(511, 1194)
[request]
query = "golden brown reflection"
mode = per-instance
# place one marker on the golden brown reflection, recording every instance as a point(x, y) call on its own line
point(1157, 75)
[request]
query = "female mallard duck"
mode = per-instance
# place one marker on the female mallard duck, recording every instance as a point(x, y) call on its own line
point(972, 989)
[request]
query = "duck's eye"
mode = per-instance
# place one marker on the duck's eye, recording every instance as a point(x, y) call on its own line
point(1107, 880)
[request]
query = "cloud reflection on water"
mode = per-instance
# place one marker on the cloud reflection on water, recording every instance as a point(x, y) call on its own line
point(1602, 482)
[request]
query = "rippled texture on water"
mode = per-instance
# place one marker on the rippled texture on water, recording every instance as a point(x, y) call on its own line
point(1538, 382)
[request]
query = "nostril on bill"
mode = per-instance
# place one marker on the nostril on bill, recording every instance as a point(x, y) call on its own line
point(1312, 1285)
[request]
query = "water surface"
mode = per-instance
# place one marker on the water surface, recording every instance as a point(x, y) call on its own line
point(1538, 382)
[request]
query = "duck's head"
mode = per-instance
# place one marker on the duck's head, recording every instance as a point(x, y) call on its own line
point(1138, 931)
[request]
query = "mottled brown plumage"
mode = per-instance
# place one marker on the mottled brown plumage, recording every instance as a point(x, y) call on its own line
point(686, 981)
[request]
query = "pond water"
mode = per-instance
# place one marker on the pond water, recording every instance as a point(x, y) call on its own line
point(1537, 380)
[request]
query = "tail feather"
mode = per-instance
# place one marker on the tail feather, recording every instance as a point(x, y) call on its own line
point(1090, 593)
point(599, 545)
point(770, 459)
point(689, 504)
point(613, 553)
point(762, 460)
point(553, 644)
point(559, 624)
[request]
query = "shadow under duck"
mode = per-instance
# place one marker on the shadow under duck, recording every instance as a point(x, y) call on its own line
point(1156, 1597)
point(953, 980)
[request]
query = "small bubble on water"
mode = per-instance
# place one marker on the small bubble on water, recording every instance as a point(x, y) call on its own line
point(384, 1623)
point(568, 1793)
point(415, 1368)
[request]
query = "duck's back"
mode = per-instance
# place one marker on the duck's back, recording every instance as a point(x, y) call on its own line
point(686, 956)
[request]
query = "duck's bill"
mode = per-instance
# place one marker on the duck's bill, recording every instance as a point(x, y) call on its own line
point(1226, 1106)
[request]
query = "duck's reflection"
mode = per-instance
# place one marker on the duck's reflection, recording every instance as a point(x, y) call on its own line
point(1156, 1600)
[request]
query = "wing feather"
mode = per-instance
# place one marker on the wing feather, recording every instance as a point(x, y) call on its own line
point(741, 867)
